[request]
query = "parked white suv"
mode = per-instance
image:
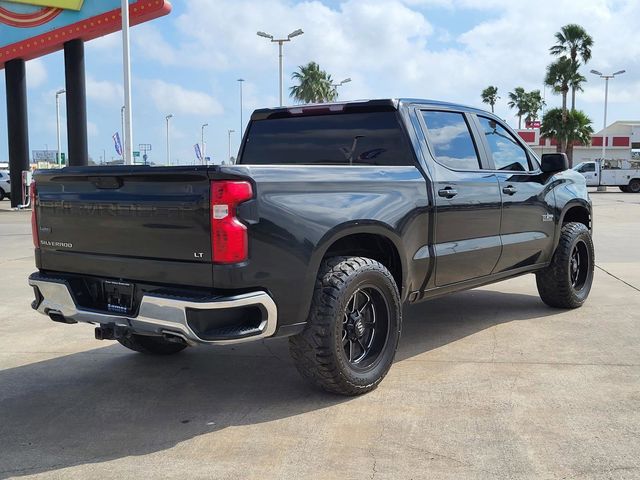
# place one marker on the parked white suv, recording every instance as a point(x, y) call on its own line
point(5, 185)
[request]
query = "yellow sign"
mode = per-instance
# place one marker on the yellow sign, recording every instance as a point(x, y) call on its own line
point(64, 4)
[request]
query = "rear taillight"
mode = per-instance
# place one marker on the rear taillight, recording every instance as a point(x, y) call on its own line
point(229, 239)
point(34, 215)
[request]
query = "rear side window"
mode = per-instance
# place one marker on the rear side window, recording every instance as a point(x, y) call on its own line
point(371, 138)
point(507, 153)
point(451, 140)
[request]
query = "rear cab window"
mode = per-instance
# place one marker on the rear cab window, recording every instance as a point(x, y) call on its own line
point(363, 138)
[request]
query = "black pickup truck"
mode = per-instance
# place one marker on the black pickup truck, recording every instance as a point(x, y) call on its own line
point(333, 217)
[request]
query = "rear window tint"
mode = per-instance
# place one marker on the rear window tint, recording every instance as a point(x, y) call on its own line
point(371, 138)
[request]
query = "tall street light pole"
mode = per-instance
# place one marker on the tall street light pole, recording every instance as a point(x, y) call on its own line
point(127, 131)
point(606, 100)
point(280, 42)
point(203, 152)
point(62, 91)
point(124, 133)
point(167, 118)
point(241, 81)
point(230, 132)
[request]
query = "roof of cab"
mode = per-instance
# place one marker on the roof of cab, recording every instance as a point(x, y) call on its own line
point(385, 104)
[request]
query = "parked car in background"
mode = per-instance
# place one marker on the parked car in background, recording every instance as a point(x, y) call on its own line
point(5, 185)
point(334, 216)
point(613, 173)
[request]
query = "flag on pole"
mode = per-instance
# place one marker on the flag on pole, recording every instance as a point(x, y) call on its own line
point(196, 147)
point(117, 143)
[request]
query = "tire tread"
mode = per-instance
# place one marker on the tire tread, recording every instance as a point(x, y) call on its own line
point(312, 349)
point(553, 287)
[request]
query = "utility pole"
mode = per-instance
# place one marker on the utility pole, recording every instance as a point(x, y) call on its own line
point(230, 132)
point(241, 81)
point(203, 153)
point(58, 93)
point(167, 118)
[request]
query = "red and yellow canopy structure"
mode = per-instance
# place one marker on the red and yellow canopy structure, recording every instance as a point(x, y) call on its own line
point(32, 28)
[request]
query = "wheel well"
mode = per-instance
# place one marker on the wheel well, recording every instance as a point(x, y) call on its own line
point(373, 246)
point(579, 215)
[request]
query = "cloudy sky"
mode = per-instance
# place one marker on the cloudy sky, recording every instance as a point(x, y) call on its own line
point(187, 63)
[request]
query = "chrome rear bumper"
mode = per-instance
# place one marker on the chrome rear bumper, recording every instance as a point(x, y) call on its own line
point(158, 315)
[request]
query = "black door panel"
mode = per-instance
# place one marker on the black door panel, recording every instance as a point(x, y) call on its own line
point(528, 223)
point(468, 203)
point(527, 226)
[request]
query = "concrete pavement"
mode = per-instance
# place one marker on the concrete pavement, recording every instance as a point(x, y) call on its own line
point(487, 384)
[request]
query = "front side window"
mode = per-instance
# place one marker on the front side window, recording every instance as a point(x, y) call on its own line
point(451, 140)
point(587, 167)
point(507, 153)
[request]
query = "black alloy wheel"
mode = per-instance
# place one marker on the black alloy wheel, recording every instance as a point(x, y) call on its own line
point(365, 327)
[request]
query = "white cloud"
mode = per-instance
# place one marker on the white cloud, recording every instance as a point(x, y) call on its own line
point(92, 129)
point(153, 46)
point(104, 91)
point(391, 48)
point(169, 97)
point(36, 73)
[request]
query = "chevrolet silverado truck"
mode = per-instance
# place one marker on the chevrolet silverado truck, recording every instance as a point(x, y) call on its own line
point(334, 216)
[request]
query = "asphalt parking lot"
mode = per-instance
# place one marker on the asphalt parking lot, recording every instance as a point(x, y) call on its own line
point(489, 383)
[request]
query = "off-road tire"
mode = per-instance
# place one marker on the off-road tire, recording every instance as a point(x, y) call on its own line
point(318, 352)
point(634, 186)
point(555, 282)
point(151, 345)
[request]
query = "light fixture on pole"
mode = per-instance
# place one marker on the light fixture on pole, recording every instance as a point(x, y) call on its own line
point(606, 100)
point(230, 132)
point(203, 152)
point(336, 85)
point(167, 118)
point(62, 91)
point(280, 42)
point(241, 81)
point(127, 132)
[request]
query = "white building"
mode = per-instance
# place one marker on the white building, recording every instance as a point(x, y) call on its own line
point(622, 142)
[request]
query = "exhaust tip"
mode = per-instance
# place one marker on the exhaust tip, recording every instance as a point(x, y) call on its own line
point(58, 317)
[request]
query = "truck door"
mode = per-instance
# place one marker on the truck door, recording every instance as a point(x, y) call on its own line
point(468, 204)
point(590, 173)
point(528, 203)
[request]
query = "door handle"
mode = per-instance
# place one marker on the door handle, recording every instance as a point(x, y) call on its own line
point(509, 190)
point(447, 192)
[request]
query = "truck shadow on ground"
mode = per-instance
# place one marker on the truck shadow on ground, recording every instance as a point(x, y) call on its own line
point(108, 403)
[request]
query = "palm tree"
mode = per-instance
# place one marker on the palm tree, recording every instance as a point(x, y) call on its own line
point(559, 77)
point(490, 95)
point(534, 104)
point(576, 126)
point(314, 85)
point(518, 100)
point(573, 41)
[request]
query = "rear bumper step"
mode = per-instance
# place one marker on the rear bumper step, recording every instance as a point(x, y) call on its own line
point(220, 321)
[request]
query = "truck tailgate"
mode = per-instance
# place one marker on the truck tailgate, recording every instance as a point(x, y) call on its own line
point(136, 223)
